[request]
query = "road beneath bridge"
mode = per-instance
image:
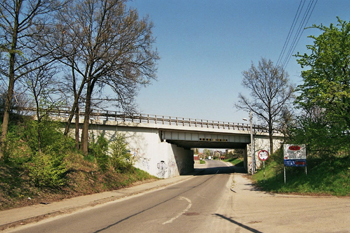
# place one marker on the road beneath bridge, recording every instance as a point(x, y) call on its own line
point(216, 200)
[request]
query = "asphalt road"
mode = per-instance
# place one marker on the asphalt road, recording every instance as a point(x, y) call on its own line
point(216, 200)
point(183, 207)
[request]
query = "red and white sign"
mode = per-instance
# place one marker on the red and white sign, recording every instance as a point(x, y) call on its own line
point(263, 155)
point(294, 151)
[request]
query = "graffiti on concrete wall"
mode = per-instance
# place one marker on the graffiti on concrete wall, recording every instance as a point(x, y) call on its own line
point(172, 168)
point(162, 169)
point(141, 159)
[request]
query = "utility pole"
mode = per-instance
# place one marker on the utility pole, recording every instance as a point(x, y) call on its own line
point(252, 142)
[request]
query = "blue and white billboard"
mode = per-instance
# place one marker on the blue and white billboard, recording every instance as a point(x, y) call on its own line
point(294, 155)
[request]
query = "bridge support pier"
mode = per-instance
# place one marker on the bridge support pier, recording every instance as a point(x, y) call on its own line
point(151, 154)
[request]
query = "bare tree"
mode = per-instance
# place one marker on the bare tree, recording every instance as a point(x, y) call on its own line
point(107, 47)
point(42, 87)
point(269, 93)
point(21, 25)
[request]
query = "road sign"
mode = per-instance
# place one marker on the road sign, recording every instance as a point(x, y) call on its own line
point(295, 162)
point(294, 155)
point(263, 155)
point(294, 151)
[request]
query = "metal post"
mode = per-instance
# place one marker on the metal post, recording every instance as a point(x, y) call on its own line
point(264, 170)
point(251, 142)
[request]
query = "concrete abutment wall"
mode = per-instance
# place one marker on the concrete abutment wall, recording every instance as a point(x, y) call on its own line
point(161, 159)
point(152, 153)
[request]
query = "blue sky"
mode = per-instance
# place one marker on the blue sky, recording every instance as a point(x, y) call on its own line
point(205, 45)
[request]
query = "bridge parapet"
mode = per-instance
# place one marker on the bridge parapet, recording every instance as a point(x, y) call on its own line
point(154, 119)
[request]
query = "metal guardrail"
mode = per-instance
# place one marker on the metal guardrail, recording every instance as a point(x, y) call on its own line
point(152, 119)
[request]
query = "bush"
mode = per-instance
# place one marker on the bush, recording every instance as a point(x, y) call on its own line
point(45, 167)
point(47, 170)
point(16, 150)
point(100, 150)
point(51, 138)
point(121, 159)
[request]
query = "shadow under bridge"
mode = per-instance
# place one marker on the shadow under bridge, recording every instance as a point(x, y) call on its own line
point(192, 139)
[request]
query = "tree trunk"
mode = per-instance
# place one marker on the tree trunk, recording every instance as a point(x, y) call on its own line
point(6, 118)
point(77, 128)
point(271, 137)
point(75, 107)
point(85, 133)
point(12, 80)
point(73, 110)
point(38, 118)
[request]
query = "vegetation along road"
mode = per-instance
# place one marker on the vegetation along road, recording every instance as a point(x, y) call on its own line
point(216, 200)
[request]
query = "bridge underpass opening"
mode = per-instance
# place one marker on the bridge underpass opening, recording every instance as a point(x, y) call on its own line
point(209, 141)
point(217, 147)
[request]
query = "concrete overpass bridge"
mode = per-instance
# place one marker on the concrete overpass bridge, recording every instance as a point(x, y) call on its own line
point(161, 145)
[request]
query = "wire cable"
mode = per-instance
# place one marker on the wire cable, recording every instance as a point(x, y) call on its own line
point(302, 25)
point(291, 30)
point(286, 54)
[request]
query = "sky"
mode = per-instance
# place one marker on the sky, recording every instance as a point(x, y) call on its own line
point(205, 45)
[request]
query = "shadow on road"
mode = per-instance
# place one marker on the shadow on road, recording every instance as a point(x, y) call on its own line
point(217, 170)
point(238, 224)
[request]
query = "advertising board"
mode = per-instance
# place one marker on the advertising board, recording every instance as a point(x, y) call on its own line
point(294, 155)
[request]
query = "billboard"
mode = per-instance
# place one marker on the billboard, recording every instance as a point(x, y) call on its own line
point(294, 155)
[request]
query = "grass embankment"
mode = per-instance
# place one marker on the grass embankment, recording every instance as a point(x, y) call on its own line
point(324, 177)
point(30, 176)
point(17, 189)
point(238, 162)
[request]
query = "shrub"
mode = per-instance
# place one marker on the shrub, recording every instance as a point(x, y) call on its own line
point(51, 138)
point(47, 170)
point(16, 150)
point(121, 159)
point(100, 150)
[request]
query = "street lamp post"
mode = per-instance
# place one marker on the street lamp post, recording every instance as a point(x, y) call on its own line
point(251, 141)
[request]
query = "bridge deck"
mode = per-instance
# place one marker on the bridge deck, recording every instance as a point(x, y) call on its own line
point(140, 118)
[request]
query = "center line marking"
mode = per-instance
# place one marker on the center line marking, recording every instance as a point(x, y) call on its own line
point(181, 213)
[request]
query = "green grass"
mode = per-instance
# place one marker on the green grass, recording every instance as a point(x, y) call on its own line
point(324, 177)
point(202, 161)
point(238, 162)
point(82, 174)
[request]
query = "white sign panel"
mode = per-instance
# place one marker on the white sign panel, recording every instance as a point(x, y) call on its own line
point(263, 155)
point(292, 151)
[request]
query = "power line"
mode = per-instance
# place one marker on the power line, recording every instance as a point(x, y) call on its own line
point(283, 61)
point(300, 31)
point(296, 17)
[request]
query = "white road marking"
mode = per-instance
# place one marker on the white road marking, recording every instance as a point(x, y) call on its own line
point(184, 211)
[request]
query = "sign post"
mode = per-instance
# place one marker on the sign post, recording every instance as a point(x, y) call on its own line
point(294, 156)
point(263, 155)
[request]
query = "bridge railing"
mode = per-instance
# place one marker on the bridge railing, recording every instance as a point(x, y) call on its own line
point(151, 119)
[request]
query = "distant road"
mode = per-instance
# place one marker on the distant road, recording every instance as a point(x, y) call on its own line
point(208, 203)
